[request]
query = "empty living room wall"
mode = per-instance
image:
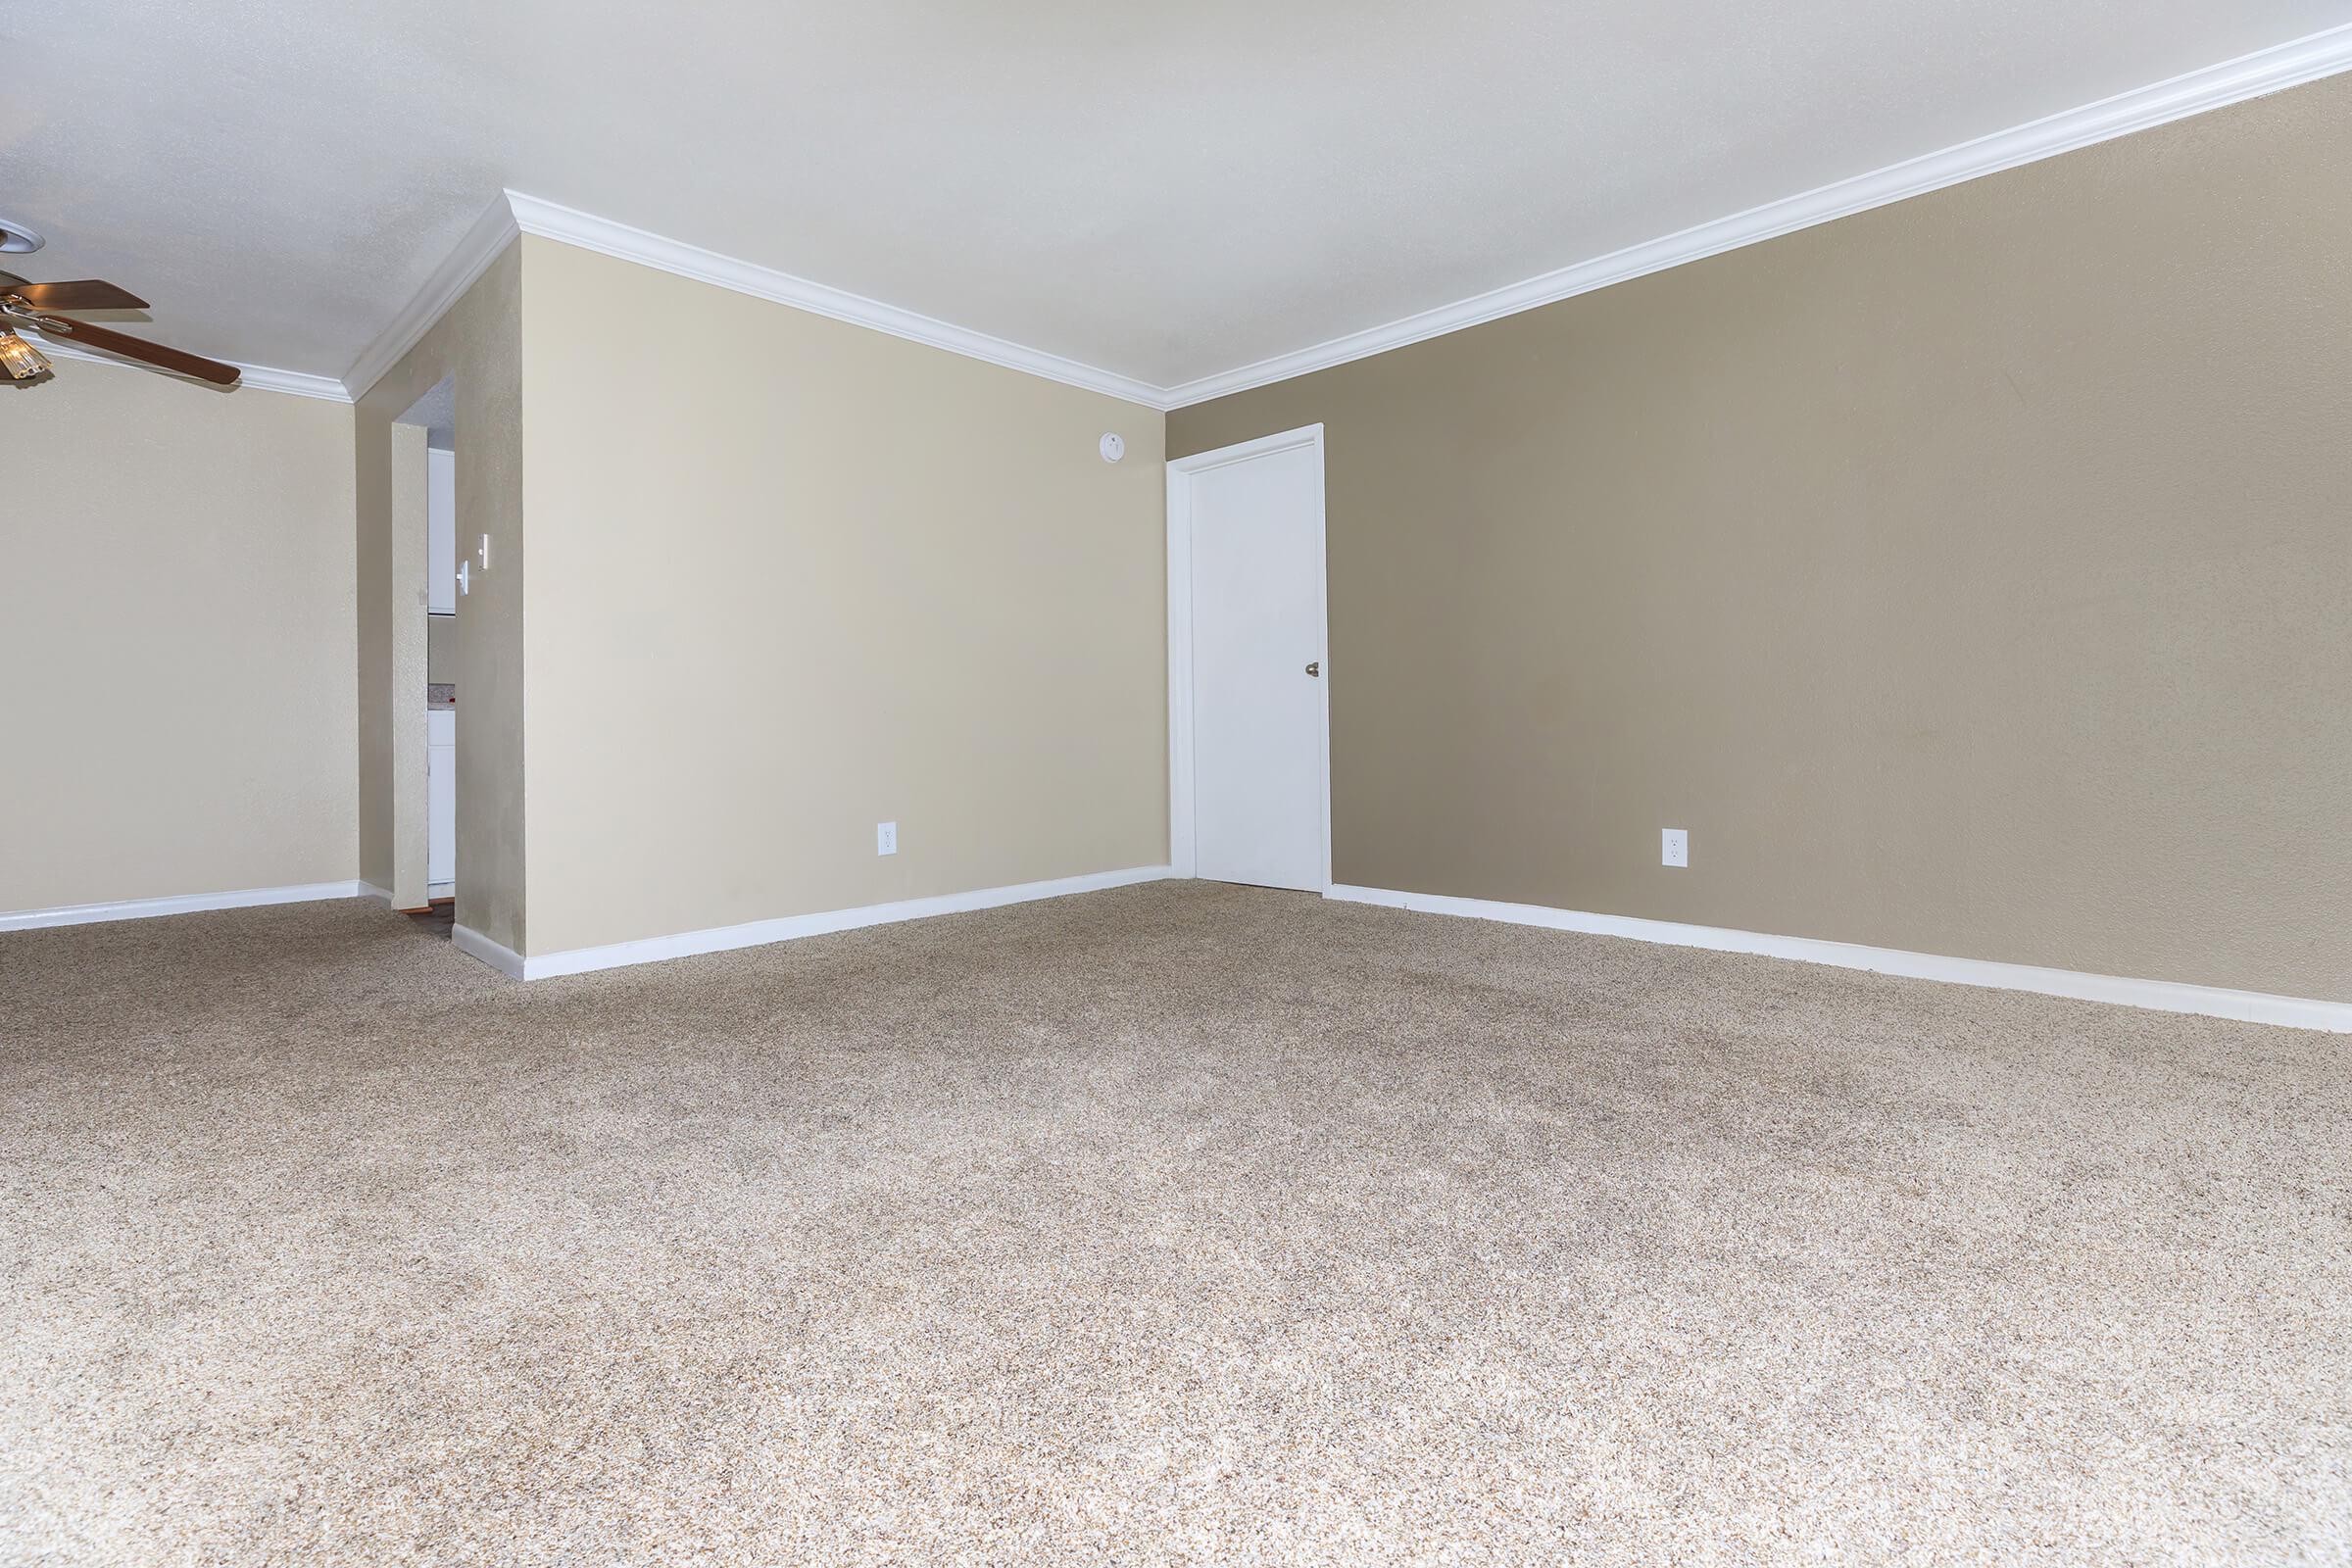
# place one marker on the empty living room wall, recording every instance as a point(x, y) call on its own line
point(1967, 577)
point(177, 622)
point(791, 578)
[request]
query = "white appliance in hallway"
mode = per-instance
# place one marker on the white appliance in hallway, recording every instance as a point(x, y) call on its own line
point(440, 802)
point(1249, 715)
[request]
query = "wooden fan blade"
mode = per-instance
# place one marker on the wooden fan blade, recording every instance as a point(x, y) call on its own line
point(90, 336)
point(85, 294)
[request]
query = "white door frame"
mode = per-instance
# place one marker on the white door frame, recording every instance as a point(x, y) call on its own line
point(1182, 858)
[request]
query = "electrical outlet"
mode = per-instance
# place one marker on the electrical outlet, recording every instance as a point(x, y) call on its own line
point(1674, 847)
point(886, 838)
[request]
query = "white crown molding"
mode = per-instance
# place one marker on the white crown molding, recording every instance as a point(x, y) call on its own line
point(184, 903)
point(551, 222)
point(2267, 71)
point(758, 933)
point(258, 377)
point(295, 383)
point(475, 252)
point(2162, 996)
point(2289, 65)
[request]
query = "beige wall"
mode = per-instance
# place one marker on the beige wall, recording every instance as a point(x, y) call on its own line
point(392, 594)
point(1972, 576)
point(175, 627)
point(791, 578)
point(479, 342)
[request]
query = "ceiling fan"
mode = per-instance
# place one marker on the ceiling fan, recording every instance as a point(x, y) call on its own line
point(35, 305)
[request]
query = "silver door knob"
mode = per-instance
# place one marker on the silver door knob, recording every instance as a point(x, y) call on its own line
point(1316, 668)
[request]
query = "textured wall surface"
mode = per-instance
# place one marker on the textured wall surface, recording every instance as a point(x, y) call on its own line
point(1967, 577)
point(804, 577)
point(175, 627)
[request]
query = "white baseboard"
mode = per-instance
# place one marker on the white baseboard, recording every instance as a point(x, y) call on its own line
point(496, 954)
point(2162, 996)
point(758, 933)
point(181, 903)
point(432, 890)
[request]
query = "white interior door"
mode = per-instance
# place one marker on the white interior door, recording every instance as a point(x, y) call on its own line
point(1257, 720)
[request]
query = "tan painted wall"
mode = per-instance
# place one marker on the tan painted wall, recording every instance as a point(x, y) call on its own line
point(480, 341)
point(1972, 576)
point(392, 593)
point(175, 628)
point(791, 578)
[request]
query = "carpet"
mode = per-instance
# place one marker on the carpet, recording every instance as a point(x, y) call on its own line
point(1175, 1224)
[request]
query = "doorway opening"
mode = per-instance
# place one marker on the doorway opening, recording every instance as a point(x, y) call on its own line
point(431, 769)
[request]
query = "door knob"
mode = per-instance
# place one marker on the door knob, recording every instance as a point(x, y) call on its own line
point(1316, 668)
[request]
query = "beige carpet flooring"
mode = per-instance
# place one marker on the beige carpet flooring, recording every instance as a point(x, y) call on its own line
point(1176, 1224)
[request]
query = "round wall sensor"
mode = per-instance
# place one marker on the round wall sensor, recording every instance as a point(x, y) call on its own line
point(16, 238)
point(1114, 449)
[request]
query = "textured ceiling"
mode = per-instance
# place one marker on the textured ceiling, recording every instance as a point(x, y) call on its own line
point(437, 411)
point(1164, 191)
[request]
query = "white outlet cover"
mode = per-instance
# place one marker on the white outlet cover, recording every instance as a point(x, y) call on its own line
point(886, 838)
point(1674, 847)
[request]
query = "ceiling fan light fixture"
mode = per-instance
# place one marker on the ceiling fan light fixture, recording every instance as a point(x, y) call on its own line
point(19, 359)
point(15, 240)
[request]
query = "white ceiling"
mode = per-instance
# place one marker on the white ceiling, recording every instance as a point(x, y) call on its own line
point(1162, 192)
point(437, 411)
